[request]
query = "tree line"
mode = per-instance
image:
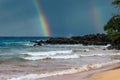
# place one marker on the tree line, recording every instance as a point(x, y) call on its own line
point(113, 26)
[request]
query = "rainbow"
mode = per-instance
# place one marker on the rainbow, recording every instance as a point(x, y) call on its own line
point(96, 17)
point(43, 23)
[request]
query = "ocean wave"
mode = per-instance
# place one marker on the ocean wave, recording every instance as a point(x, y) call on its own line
point(51, 57)
point(47, 53)
point(63, 72)
point(81, 50)
point(99, 54)
point(26, 43)
point(65, 54)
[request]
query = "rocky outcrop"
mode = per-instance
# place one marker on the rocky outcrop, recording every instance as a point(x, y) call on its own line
point(115, 45)
point(92, 39)
point(98, 39)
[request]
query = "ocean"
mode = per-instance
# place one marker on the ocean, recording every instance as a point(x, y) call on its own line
point(21, 60)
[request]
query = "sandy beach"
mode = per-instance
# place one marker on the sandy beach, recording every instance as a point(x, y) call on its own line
point(108, 75)
point(86, 75)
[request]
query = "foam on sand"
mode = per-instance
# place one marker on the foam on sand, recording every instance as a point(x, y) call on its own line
point(109, 75)
point(63, 72)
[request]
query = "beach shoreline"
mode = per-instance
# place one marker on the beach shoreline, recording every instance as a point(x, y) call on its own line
point(82, 75)
point(107, 75)
point(59, 62)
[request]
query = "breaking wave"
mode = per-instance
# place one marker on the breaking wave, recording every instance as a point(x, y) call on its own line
point(51, 57)
point(65, 54)
point(100, 54)
point(48, 53)
point(63, 72)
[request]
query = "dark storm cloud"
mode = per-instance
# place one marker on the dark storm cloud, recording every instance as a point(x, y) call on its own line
point(65, 17)
point(18, 18)
point(75, 16)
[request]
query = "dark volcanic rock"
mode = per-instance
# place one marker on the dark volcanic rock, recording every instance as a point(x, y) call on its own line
point(61, 41)
point(115, 45)
point(38, 43)
point(92, 39)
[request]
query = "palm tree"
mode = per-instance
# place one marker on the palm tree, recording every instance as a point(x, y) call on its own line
point(116, 2)
point(113, 25)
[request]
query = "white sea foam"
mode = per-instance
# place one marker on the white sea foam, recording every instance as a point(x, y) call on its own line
point(99, 54)
point(52, 57)
point(29, 44)
point(34, 58)
point(63, 72)
point(37, 76)
point(47, 53)
point(65, 54)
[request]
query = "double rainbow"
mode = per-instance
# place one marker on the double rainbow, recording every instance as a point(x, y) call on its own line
point(44, 25)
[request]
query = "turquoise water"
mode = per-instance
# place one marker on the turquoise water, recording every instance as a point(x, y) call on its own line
point(10, 47)
point(21, 48)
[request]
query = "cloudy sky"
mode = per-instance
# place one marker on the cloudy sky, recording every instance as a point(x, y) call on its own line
point(64, 17)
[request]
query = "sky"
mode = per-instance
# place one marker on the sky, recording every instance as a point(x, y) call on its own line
point(64, 17)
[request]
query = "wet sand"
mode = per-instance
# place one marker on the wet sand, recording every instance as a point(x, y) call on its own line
point(108, 75)
point(81, 75)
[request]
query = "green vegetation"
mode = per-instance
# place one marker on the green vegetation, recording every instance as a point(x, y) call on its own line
point(113, 26)
point(116, 2)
